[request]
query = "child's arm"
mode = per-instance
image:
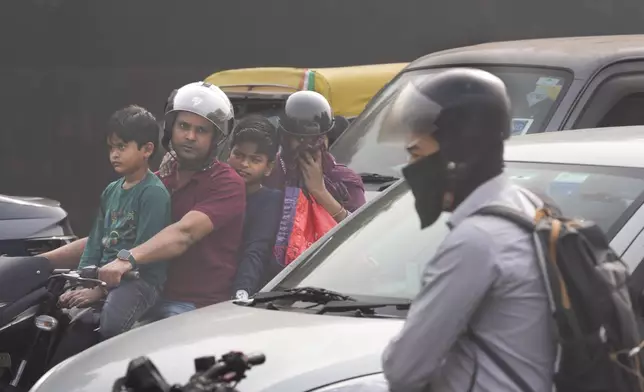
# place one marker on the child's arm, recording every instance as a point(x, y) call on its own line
point(154, 213)
point(257, 249)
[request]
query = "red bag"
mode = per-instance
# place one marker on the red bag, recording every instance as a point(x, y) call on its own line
point(311, 222)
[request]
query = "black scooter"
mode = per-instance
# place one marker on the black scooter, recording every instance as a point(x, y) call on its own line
point(31, 322)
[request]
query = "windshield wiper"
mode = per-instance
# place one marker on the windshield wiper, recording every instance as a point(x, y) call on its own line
point(376, 178)
point(366, 307)
point(309, 294)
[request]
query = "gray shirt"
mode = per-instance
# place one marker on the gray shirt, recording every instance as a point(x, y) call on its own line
point(485, 274)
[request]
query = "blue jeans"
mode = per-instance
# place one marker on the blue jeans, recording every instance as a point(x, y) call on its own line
point(166, 308)
point(125, 305)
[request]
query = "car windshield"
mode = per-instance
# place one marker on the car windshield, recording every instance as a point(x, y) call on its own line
point(534, 92)
point(380, 252)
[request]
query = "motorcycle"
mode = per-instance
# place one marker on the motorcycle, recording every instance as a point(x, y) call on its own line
point(210, 375)
point(31, 322)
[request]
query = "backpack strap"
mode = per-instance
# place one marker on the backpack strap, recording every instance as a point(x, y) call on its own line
point(527, 224)
point(507, 213)
point(520, 382)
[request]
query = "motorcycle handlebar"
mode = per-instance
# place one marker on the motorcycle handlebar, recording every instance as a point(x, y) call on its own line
point(257, 359)
point(211, 375)
point(225, 366)
point(89, 274)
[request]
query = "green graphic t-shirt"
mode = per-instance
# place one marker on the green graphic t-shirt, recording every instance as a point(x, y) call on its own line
point(127, 218)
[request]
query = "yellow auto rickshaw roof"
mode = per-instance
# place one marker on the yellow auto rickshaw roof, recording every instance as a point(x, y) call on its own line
point(348, 89)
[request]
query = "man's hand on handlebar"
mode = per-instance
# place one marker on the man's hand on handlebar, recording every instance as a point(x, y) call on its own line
point(112, 273)
point(81, 298)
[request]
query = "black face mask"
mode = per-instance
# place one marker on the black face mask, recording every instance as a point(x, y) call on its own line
point(427, 179)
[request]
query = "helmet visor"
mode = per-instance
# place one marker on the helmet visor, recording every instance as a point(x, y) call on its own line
point(411, 113)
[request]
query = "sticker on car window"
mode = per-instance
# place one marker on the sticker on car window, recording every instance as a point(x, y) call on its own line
point(521, 126)
point(545, 88)
point(551, 91)
point(536, 96)
point(547, 81)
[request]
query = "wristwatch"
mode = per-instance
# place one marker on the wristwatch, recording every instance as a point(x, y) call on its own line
point(241, 294)
point(126, 255)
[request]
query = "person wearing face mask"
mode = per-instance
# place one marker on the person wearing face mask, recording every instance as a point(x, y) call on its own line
point(304, 163)
point(483, 283)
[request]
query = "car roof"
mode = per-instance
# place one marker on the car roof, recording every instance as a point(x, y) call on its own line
point(581, 55)
point(616, 146)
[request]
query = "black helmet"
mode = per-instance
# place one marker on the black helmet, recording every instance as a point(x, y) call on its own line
point(203, 99)
point(460, 107)
point(306, 113)
point(467, 111)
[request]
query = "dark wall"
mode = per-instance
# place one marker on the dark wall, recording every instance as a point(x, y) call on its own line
point(66, 65)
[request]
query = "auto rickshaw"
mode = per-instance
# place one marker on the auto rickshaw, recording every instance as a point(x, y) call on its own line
point(264, 90)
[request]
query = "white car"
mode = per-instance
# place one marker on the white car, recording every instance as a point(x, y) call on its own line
point(375, 256)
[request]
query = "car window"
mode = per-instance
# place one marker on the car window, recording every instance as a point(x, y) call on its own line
point(381, 251)
point(534, 92)
point(627, 111)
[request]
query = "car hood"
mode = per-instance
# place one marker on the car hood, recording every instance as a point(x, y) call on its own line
point(372, 191)
point(303, 351)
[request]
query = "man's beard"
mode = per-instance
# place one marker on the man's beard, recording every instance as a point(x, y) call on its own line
point(193, 162)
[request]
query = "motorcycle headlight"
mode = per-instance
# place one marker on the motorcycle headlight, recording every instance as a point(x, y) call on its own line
point(371, 383)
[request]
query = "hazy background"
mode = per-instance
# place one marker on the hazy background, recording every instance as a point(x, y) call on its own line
point(65, 66)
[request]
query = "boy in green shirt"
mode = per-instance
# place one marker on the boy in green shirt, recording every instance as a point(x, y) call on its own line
point(132, 210)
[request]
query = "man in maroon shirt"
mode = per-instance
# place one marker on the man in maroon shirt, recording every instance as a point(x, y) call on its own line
point(208, 203)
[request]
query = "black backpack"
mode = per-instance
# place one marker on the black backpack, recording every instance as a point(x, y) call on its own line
point(597, 316)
